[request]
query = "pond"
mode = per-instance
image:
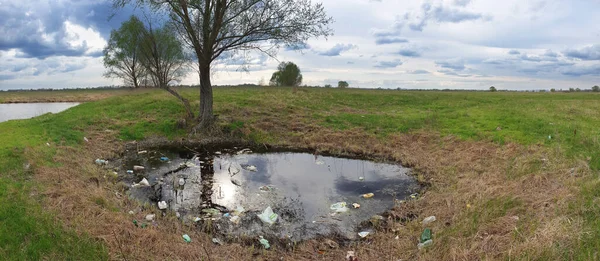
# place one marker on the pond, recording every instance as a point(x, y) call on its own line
point(231, 188)
point(13, 111)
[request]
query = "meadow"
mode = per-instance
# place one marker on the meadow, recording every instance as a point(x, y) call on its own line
point(508, 175)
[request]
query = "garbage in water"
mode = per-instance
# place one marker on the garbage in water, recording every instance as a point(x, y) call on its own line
point(268, 216)
point(368, 195)
point(150, 217)
point(187, 238)
point(339, 207)
point(425, 244)
point(361, 178)
point(250, 168)
point(217, 241)
point(426, 235)
point(350, 256)
point(162, 205)
point(296, 189)
point(428, 220)
point(264, 242)
point(142, 152)
point(181, 181)
point(364, 234)
point(101, 162)
point(319, 162)
point(138, 168)
point(163, 159)
point(414, 195)
point(266, 188)
point(129, 171)
point(212, 211)
point(143, 183)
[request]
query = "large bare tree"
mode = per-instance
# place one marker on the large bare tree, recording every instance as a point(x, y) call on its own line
point(214, 27)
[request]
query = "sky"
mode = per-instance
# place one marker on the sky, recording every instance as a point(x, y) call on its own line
point(409, 44)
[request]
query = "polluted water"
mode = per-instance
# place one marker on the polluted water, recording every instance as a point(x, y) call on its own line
point(296, 196)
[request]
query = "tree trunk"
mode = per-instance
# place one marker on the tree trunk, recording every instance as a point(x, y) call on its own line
point(205, 118)
point(186, 103)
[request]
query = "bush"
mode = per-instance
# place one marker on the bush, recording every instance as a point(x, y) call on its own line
point(493, 89)
point(343, 84)
point(596, 88)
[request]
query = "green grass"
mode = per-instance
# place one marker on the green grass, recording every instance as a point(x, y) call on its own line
point(570, 119)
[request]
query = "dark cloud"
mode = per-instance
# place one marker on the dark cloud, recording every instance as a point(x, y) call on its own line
point(419, 72)
point(593, 70)
point(587, 53)
point(337, 50)
point(409, 53)
point(389, 40)
point(453, 73)
point(456, 65)
point(388, 64)
point(298, 47)
point(514, 52)
point(5, 77)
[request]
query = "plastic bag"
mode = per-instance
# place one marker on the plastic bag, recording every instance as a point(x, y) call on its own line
point(268, 216)
point(339, 207)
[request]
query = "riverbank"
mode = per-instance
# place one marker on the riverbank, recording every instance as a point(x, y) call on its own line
point(511, 175)
point(44, 96)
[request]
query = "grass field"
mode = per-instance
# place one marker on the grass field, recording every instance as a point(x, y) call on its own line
point(512, 175)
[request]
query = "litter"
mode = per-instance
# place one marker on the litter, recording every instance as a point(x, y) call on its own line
point(217, 241)
point(212, 211)
point(355, 205)
point(235, 219)
point(361, 178)
point(101, 162)
point(143, 183)
point(244, 151)
point(150, 217)
point(239, 210)
point(187, 238)
point(397, 237)
point(350, 256)
point(368, 195)
point(217, 153)
point(426, 235)
point(428, 220)
point(264, 242)
point(135, 222)
point(425, 244)
point(196, 219)
point(319, 162)
point(129, 171)
point(414, 195)
point(226, 215)
point(250, 168)
point(86, 139)
point(131, 212)
point(142, 152)
point(164, 159)
point(181, 181)
point(268, 216)
point(266, 188)
point(364, 234)
point(162, 205)
point(339, 207)
point(138, 168)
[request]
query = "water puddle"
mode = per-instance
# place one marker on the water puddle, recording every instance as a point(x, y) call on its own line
point(230, 188)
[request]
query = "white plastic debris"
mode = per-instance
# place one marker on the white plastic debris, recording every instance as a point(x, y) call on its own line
point(235, 219)
point(268, 216)
point(181, 181)
point(239, 210)
point(250, 168)
point(264, 242)
point(131, 212)
point(319, 162)
point(339, 207)
point(162, 205)
point(150, 217)
point(196, 219)
point(350, 256)
point(142, 152)
point(428, 220)
point(217, 241)
point(138, 168)
point(425, 244)
point(364, 234)
point(143, 183)
point(86, 139)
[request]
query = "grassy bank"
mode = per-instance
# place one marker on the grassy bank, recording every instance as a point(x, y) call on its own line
point(513, 175)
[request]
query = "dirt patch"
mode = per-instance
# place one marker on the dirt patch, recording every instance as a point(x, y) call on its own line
point(491, 202)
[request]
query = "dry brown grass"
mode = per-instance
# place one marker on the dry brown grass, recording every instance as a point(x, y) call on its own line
point(64, 95)
point(469, 182)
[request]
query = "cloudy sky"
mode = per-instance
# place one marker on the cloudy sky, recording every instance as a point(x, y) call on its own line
point(457, 44)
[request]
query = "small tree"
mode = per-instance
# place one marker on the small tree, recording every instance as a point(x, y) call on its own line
point(596, 88)
point(493, 89)
point(343, 84)
point(327, 85)
point(122, 54)
point(571, 89)
point(163, 58)
point(577, 90)
point(287, 74)
point(552, 90)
